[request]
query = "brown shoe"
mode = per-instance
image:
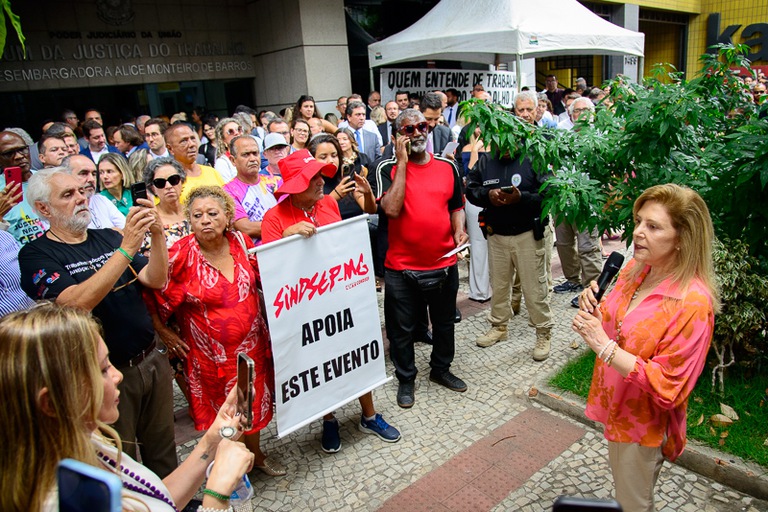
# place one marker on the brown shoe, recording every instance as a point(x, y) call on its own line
point(272, 468)
point(494, 335)
point(541, 350)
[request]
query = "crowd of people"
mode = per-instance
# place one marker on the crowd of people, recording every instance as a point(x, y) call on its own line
point(161, 288)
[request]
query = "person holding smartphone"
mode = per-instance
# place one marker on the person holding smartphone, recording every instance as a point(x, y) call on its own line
point(507, 188)
point(60, 402)
point(21, 218)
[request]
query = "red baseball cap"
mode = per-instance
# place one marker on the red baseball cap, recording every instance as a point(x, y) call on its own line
point(298, 169)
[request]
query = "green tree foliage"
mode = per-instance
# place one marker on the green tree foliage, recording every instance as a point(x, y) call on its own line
point(706, 133)
point(703, 133)
point(5, 10)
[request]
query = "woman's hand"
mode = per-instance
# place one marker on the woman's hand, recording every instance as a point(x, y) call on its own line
point(226, 417)
point(303, 228)
point(587, 300)
point(590, 328)
point(176, 346)
point(345, 186)
point(232, 461)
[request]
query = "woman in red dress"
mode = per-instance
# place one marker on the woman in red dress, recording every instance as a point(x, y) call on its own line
point(212, 289)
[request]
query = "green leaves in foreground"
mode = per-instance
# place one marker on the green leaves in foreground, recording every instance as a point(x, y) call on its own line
point(5, 9)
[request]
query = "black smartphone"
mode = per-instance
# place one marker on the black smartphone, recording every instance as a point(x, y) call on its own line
point(245, 390)
point(138, 191)
point(84, 488)
point(575, 504)
point(13, 175)
point(509, 190)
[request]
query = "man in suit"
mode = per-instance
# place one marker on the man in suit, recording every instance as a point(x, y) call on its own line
point(439, 135)
point(367, 141)
point(451, 112)
point(97, 141)
point(385, 129)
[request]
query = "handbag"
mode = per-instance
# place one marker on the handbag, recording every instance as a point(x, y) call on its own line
point(427, 280)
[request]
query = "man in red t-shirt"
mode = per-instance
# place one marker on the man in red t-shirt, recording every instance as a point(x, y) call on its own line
point(422, 198)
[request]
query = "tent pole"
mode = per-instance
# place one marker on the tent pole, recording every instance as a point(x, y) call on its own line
point(640, 70)
point(370, 78)
point(519, 70)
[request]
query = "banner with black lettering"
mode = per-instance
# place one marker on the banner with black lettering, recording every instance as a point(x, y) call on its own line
point(320, 294)
point(501, 85)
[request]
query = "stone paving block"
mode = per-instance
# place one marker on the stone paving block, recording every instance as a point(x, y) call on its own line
point(468, 499)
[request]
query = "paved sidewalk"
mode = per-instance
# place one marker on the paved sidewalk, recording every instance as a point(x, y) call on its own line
point(490, 448)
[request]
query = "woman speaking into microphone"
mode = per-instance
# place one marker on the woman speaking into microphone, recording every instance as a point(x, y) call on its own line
point(651, 335)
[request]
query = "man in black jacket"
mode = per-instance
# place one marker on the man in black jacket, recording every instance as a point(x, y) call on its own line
point(507, 188)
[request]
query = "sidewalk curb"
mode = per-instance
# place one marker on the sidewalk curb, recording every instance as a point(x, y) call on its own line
point(724, 468)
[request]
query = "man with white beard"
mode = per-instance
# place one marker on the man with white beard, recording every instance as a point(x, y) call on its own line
point(422, 197)
point(104, 214)
point(100, 270)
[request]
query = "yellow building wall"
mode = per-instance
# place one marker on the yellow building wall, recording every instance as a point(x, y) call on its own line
point(689, 6)
point(732, 12)
point(662, 45)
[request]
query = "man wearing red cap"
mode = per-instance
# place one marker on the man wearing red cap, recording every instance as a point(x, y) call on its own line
point(304, 210)
point(423, 200)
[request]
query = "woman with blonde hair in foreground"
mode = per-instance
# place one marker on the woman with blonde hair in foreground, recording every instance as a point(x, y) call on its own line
point(61, 391)
point(651, 335)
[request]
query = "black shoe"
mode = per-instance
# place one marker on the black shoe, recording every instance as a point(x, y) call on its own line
point(405, 396)
point(457, 318)
point(575, 302)
point(427, 338)
point(449, 380)
point(567, 287)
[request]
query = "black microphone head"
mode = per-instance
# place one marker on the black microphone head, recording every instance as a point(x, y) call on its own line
point(615, 260)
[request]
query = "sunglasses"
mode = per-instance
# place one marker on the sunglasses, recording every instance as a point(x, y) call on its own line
point(410, 129)
point(234, 132)
point(13, 152)
point(173, 179)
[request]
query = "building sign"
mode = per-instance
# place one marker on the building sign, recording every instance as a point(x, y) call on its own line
point(501, 85)
point(755, 36)
point(66, 52)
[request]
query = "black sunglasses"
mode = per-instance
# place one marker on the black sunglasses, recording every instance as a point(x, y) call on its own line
point(173, 179)
point(411, 128)
point(24, 150)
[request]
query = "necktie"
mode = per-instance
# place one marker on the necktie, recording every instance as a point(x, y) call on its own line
point(359, 139)
point(450, 116)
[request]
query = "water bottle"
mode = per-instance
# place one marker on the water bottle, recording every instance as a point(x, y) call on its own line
point(240, 499)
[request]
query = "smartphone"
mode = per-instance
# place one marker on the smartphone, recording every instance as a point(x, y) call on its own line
point(408, 147)
point(138, 191)
point(509, 190)
point(348, 170)
point(245, 390)
point(84, 488)
point(13, 175)
point(574, 504)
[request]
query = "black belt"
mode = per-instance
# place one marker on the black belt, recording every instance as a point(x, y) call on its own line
point(135, 360)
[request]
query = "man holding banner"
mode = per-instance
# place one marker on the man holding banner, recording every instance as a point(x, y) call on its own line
point(306, 209)
point(423, 201)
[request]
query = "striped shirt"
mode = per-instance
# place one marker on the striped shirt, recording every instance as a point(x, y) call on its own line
point(12, 297)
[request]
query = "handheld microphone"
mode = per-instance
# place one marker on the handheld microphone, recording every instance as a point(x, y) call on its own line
point(611, 268)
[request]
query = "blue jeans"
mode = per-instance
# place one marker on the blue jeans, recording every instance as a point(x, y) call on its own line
point(403, 311)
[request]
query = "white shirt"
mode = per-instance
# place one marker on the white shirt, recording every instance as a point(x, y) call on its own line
point(104, 214)
point(166, 154)
point(450, 114)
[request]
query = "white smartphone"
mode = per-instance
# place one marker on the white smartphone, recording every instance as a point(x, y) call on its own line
point(84, 488)
point(450, 148)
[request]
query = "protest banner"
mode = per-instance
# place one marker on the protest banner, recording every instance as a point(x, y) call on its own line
point(323, 315)
point(501, 85)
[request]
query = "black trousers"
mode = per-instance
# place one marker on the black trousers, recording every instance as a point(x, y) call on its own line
point(403, 311)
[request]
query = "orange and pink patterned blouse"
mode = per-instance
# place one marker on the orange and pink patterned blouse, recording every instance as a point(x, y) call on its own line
point(669, 332)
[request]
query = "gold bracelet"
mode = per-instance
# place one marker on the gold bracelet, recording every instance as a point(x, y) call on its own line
point(609, 359)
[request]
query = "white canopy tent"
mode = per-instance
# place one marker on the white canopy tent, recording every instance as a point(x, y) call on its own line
point(500, 31)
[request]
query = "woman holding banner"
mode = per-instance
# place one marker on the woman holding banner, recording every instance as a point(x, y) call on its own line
point(212, 290)
point(304, 210)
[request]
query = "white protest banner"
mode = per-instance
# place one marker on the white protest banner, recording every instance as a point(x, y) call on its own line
point(320, 294)
point(501, 85)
